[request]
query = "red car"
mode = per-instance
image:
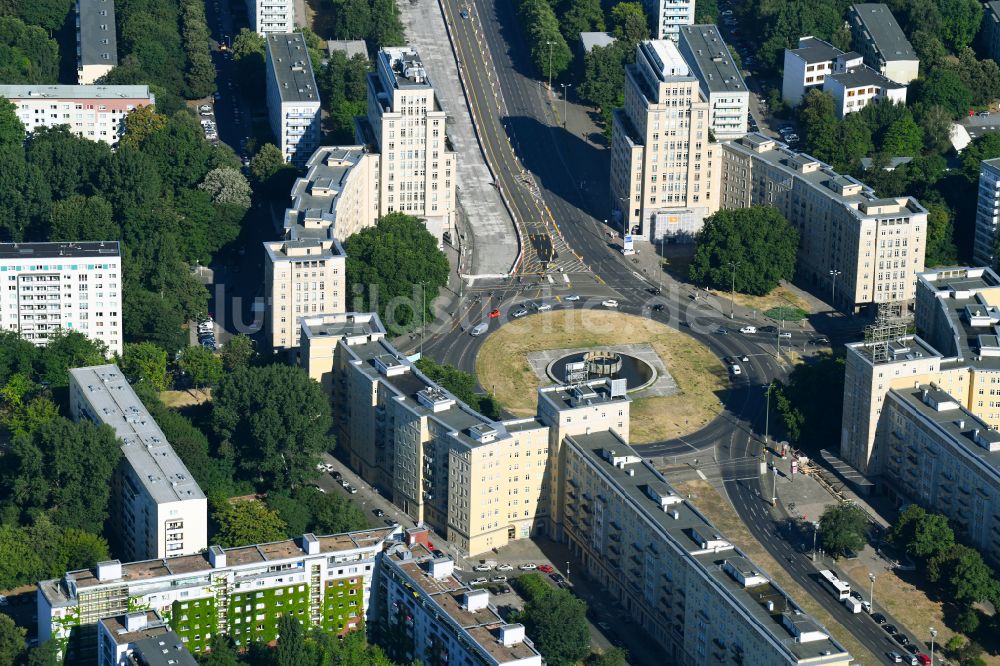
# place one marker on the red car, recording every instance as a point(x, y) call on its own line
point(494, 314)
point(546, 568)
point(923, 659)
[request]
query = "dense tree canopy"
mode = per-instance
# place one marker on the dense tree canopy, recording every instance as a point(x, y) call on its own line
point(389, 264)
point(275, 420)
point(550, 53)
point(376, 21)
point(11, 127)
point(461, 384)
point(144, 362)
point(343, 92)
point(243, 522)
point(758, 240)
point(306, 509)
point(27, 55)
point(555, 620)
point(842, 529)
point(810, 404)
point(578, 16)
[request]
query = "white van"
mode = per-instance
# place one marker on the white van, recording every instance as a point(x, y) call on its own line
point(479, 329)
point(748, 330)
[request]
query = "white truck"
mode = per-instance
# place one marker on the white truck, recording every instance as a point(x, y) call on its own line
point(852, 604)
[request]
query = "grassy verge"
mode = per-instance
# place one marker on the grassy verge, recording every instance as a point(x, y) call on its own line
point(180, 399)
point(720, 512)
point(502, 366)
point(780, 297)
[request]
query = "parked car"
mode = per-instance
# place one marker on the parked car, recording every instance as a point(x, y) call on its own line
point(546, 568)
point(505, 567)
point(901, 639)
point(482, 567)
point(519, 312)
point(822, 340)
point(527, 566)
point(879, 618)
point(378, 513)
point(894, 657)
point(890, 628)
point(479, 581)
point(735, 369)
point(498, 579)
point(784, 334)
point(557, 577)
point(337, 475)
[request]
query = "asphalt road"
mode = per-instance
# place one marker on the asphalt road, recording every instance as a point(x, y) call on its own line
point(570, 174)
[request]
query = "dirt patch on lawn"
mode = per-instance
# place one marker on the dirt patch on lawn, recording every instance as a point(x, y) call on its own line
point(718, 510)
point(181, 399)
point(502, 364)
point(781, 296)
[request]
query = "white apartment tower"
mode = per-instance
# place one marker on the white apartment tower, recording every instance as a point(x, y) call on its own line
point(669, 16)
point(96, 39)
point(92, 112)
point(722, 85)
point(47, 287)
point(267, 16)
point(664, 166)
point(292, 97)
point(987, 212)
point(407, 126)
point(157, 508)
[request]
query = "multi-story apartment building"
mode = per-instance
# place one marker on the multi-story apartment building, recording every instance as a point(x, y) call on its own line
point(241, 592)
point(873, 246)
point(854, 88)
point(477, 481)
point(157, 508)
point(990, 31)
point(669, 16)
point(96, 39)
point(93, 112)
point(937, 453)
point(879, 39)
point(49, 287)
point(701, 598)
point(987, 212)
point(406, 125)
point(664, 164)
point(301, 277)
point(267, 16)
point(292, 97)
point(955, 349)
point(339, 192)
point(422, 612)
point(140, 638)
point(719, 79)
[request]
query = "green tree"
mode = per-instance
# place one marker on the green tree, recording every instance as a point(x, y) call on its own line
point(940, 250)
point(580, 16)
point(557, 623)
point(389, 264)
point(276, 421)
point(961, 22)
point(461, 384)
point(48, 14)
point(387, 28)
point(227, 186)
point(329, 513)
point(223, 653)
point(238, 353)
point(811, 402)
point(603, 82)
point(936, 121)
point(931, 535)
point(11, 127)
point(352, 19)
point(27, 55)
point(202, 366)
point(758, 240)
point(243, 522)
point(11, 640)
point(982, 148)
point(145, 362)
point(629, 23)
point(970, 579)
point(904, 137)
point(80, 218)
point(44, 654)
point(943, 87)
point(140, 123)
point(967, 620)
point(842, 528)
point(291, 650)
point(610, 657)
point(903, 531)
point(65, 350)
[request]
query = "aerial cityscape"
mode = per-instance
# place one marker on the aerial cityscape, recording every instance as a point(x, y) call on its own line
point(499, 332)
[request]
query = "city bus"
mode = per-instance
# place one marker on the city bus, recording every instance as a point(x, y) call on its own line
point(837, 587)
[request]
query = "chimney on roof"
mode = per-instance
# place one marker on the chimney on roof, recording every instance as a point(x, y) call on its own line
point(109, 570)
point(310, 544)
point(217, 557)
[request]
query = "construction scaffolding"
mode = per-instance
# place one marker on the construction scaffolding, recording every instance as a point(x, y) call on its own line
point(890, 326)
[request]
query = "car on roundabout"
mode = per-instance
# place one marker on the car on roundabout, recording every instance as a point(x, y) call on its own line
point(494, 313)
point(609, 303)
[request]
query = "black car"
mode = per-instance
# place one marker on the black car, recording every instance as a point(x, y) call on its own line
point(557, 577)
point(912, 648)
point(658, 307)
point(879, 618)
point(820, 341)
point(889, 628)
point(378, 513)
point(338, 476)
point(390, 522)
point(722, 330)
point(901, 639)
point(768, 329)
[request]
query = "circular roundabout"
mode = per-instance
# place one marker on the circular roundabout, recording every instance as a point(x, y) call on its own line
point(675, 382)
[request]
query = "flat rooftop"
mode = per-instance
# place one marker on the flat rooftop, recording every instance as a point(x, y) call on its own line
point(579, 395)
point(28, 91)
point(402, 68)
point(165, 650)
point(322, 246)
point(885, 32)
point(447, 594)
point(686, 530)
point(823, 178)
point(958, 424)
point(116, 627)
point(864, 76)
point(591, 40)
point(97, 40)
point(382, 362)
point(80, 249)
point(341, 325)
point(289, 60)
point(314, 196)
point(664, 59)
point(709, 57)
point(814, 50)
point(155, 463)
point(189, 565)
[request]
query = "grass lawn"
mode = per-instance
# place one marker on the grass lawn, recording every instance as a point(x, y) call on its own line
point(502, 365)
point(181, 399)
point(781, 296)
point(718, 510)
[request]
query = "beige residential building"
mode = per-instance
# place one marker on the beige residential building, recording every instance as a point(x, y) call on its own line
point(955, 350)
point(303, 276)
point(406, 125)
point(664, 167)
point(701, 598)
point(478, 481)
point(876, 35)
point(339, 192)
point(854, 247)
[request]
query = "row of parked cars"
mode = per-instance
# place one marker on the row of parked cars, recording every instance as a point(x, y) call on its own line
point(206, 334)
point(912, 654)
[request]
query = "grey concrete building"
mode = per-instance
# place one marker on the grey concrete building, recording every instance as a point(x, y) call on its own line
point(719, 78)
point(293, 103)
point(878, 38)
point(96, 39)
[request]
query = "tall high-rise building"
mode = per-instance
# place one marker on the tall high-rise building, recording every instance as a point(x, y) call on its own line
point(267, 16)
point(292, 97)
point(48, 287)
point(669, 16)
point(157, 508)
point(96, 39)
point(721, 83)
point(987, 213)
point(406, 125)
point(664, 165)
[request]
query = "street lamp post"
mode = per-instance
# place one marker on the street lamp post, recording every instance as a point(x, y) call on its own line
point(767, 415)
point(933, 636)
point(550, 63)
point(871, 596)
point(732, 292)
point(815, 532)
point(567, 572)
point(565, 87)
point(833, 287)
